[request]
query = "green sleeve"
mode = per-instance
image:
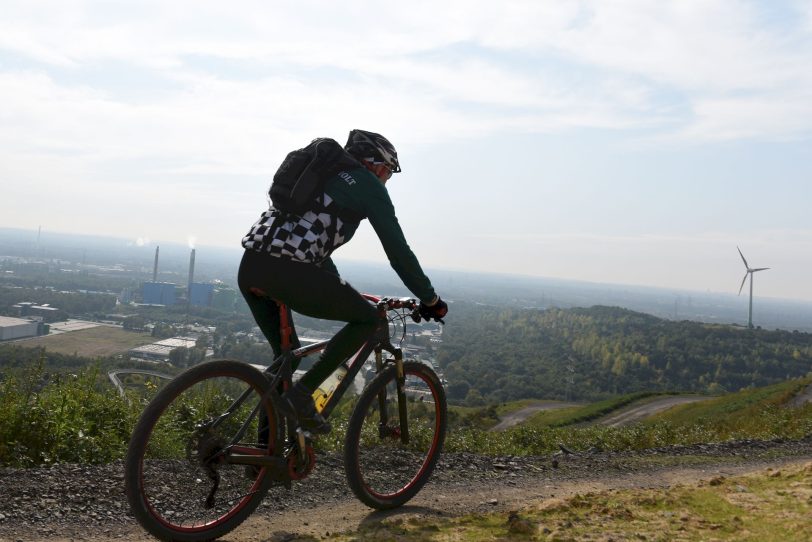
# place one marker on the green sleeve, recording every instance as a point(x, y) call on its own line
point(400, 255)
point(381, 215)
point(368, 196)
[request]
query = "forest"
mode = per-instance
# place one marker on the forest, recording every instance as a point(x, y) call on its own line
point(496, 354)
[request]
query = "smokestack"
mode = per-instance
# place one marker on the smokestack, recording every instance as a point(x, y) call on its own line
point(191, 268)
point(155, 268)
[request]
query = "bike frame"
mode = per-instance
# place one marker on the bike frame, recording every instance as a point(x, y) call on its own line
point(282, 374)
point(377, 343)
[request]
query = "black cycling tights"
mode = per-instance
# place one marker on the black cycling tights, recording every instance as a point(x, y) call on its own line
point(312, 291)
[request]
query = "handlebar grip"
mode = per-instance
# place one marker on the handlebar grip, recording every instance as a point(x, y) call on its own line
point(418, 318)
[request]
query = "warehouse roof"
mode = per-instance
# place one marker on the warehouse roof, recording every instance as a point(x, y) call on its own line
point(6, 321)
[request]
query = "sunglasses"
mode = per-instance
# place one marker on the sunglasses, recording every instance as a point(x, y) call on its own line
point(385, 166)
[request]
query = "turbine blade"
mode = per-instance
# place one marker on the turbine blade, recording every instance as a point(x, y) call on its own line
point(742, 255)
point(759, 269)
point(743, 280)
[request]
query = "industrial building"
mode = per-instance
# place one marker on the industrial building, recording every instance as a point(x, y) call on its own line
point(45, 312)
point(200, 295)
point(18, 328)
point(159, 351)
point(158, 293)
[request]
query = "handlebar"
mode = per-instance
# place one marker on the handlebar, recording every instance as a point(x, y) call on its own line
point(396, 303)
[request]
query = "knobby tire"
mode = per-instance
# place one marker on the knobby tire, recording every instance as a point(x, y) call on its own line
point(382, 471)
point(166, 480)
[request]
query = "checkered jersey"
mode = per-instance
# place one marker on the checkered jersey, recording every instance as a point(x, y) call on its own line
point(310, 238)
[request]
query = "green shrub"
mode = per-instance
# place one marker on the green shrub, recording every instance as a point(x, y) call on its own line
point(62, 418)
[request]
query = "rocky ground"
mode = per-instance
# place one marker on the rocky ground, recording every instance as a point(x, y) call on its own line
point(79, 502)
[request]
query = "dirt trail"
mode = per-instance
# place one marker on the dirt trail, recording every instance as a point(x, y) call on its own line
point(802, 398)
point(463, 483)
point(640, 411)
point(515, 418)
point(438, 501)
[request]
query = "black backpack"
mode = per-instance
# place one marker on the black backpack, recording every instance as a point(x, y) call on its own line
point(301, 177)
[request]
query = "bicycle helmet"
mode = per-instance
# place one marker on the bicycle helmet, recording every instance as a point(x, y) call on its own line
point(371, 146)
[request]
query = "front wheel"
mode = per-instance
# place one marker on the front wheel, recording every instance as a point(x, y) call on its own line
point(387, 458)
point(179, 479)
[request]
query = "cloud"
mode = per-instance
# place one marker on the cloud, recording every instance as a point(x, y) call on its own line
point(256, 75)
point(152, 108)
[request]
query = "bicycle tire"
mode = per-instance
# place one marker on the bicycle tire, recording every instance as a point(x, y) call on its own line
point(382, 471)
point(156, 465)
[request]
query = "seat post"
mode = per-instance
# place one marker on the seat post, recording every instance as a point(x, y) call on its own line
point(285, 330)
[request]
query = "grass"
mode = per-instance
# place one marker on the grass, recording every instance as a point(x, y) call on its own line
point(64, 418)
point(767, 506)
point(737, 408)
point(81, 418)
point(751, 414)
point(487, 417)
point(94, 342)
point(514, 406)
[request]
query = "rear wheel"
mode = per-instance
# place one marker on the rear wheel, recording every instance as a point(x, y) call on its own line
point(179, 481)
point(385, 469)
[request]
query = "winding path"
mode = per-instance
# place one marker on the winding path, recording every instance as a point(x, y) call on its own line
point(802, 398)
point(517, 417)
point(113, 376)
point(642, 410)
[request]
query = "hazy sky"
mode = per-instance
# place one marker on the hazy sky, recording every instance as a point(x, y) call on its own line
point(625, 141)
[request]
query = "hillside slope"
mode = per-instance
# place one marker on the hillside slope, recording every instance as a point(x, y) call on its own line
point(493, 354)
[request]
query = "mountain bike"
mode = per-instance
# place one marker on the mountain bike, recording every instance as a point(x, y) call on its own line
point(211, 443)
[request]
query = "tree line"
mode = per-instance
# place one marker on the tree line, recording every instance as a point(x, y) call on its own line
point(494, 354)
point(70, 303)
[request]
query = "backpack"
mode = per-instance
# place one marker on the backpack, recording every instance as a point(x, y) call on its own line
point(301, 177)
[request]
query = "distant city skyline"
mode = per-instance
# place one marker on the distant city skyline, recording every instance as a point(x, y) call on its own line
point(626, 143)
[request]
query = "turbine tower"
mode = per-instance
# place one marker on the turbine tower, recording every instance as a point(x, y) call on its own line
point(749, 273)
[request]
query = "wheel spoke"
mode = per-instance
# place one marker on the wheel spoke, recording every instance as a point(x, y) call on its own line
point(383, 470)
point(179, 480)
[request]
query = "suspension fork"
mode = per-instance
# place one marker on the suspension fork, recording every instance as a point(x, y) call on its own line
point(384, 421)
point(400, 382)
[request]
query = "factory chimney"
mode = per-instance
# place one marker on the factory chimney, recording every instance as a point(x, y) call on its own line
point(155, 268)
point(191, 272)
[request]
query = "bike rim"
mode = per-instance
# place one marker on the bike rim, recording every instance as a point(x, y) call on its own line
point(173, 479)
point(387, 467)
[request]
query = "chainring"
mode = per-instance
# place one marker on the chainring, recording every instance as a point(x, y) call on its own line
point(297, 470)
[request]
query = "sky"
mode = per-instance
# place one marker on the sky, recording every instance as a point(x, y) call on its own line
point(628, 141)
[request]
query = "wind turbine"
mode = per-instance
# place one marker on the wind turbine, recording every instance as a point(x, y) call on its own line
point(749, 272)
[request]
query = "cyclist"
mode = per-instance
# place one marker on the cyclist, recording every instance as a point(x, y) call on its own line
point(287, 259)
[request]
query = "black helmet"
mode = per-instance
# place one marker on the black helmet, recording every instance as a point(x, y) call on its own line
point(371, 146)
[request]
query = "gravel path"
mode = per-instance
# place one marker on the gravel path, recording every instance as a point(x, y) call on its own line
point(641, 411)
point(72, 502)
point(802, 398)
point(515, 418)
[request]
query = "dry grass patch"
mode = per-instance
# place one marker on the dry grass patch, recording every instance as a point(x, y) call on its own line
point(94, 342)
point(768, 506)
